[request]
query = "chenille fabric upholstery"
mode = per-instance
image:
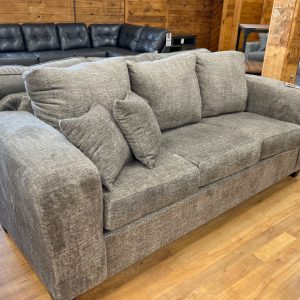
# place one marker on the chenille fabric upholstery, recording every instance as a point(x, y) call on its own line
point(222, 82)
point(139, 126)
point(62, 93)
point(97, 135)
point(217, 152)
point(272, 98)
point(275, 136)
point(11, 102)
point(170, 87)
point(139, 191)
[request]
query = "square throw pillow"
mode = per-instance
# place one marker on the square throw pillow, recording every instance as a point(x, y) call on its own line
point(170, 87)
point(97, 135)
point(62, 93)
point(139, 125)
point(222, 82)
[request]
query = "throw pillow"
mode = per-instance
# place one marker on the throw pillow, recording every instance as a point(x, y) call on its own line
point(97, 135)
point(171, 88)
point(62, 93)
point(222, 82)
point(139, 125)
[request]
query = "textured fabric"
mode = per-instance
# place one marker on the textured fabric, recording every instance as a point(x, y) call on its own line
point(273, 99)
point(99, 138)
point(275, 136)
point(50, 202)
point(171, 88)
point(11, 102)
point(216, 152)
point(139, 191)
point(139, 126)
point(62, 93)
point(132, 242)
point(222, 82)
point(251, 47)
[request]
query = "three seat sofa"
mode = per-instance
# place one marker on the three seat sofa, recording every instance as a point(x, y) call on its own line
point(237, 136)
point(29, 44)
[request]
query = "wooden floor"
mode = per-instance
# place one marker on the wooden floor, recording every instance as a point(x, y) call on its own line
point(251, 252)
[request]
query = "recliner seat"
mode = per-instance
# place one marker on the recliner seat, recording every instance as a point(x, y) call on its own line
point(32, 43)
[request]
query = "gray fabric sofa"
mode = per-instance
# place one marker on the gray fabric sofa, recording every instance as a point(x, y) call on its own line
point(76, 234)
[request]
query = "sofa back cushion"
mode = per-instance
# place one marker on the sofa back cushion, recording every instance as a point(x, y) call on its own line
point(11, 38)
point(222, 82)
point(263, 38)
point(129, 36)
point(40, 37)
point(151, 39)
point(73, 36)
point(62, 93)
point(104, 35)
point(170, 87)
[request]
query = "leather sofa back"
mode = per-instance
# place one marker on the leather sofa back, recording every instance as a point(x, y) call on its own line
point(129, 36)
point(11, 39)
point(151, 39)
point(40, 37)
point(104, 35)
point(73, 36)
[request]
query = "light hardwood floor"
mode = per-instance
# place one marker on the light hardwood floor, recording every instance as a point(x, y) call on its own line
point(250, 252)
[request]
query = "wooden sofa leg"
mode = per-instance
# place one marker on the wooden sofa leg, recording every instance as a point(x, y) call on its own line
point(295, 174)
point(4, 229)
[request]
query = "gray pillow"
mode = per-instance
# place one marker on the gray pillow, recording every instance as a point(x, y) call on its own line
point(263, 38)
point(222, 82)
point(139, 125)
point(61, 93)
point(97, 135)
point(170, 87)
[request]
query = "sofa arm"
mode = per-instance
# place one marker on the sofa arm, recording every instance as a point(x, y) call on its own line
point(251, 47)
point(272, 98)
point(51, 204)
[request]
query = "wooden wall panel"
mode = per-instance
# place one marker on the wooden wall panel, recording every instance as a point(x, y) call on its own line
point(21, 11)
point(100, 11)
point(216, 25)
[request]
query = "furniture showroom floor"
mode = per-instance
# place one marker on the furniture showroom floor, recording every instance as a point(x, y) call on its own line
point(250, 252)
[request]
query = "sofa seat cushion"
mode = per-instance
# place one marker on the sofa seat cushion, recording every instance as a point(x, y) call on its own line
point(51, 55)
point(88, 52)
point(275, 136)
point(116, 51)
point(139, 191)
point(215, 151)
point(256, 55)
point(18, 58)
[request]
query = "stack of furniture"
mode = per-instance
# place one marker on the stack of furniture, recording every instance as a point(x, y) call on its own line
point(84, 198)
point(29, 44)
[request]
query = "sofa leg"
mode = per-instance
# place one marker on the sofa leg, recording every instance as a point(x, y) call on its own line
point(4, 229)
point(295, 174)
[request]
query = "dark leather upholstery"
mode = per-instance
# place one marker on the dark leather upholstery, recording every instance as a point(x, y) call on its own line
point(73, 36)
point(45, 56)
point(129, 36)
point(11, 38)
point(116, 51)
point(104, 35)
point(18, 58)
point(40, 37)
point(88, 52)
point(151, 39)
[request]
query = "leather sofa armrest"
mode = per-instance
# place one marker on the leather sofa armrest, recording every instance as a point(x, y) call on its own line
point(272, 98)
point(51, 204)
point(251, 47)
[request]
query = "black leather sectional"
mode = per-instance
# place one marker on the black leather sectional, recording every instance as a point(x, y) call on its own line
point(29, 44)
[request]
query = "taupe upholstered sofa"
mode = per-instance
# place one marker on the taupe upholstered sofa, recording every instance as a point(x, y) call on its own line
point(76, 233)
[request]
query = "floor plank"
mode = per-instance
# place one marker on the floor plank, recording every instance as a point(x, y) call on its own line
point(250, 252)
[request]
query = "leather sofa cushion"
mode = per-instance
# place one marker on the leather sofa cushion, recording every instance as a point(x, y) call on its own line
point(45, 56)
point(274, 135)
point(151, 39)
point(88, 52)
point(139, 191)
point(256, 55)
point(104, 35)
point(73, 36)
point(116, 51)
point(18, 58)
point(40, 37)
point(217, 152)
point(11, 38)
point(129, 36)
